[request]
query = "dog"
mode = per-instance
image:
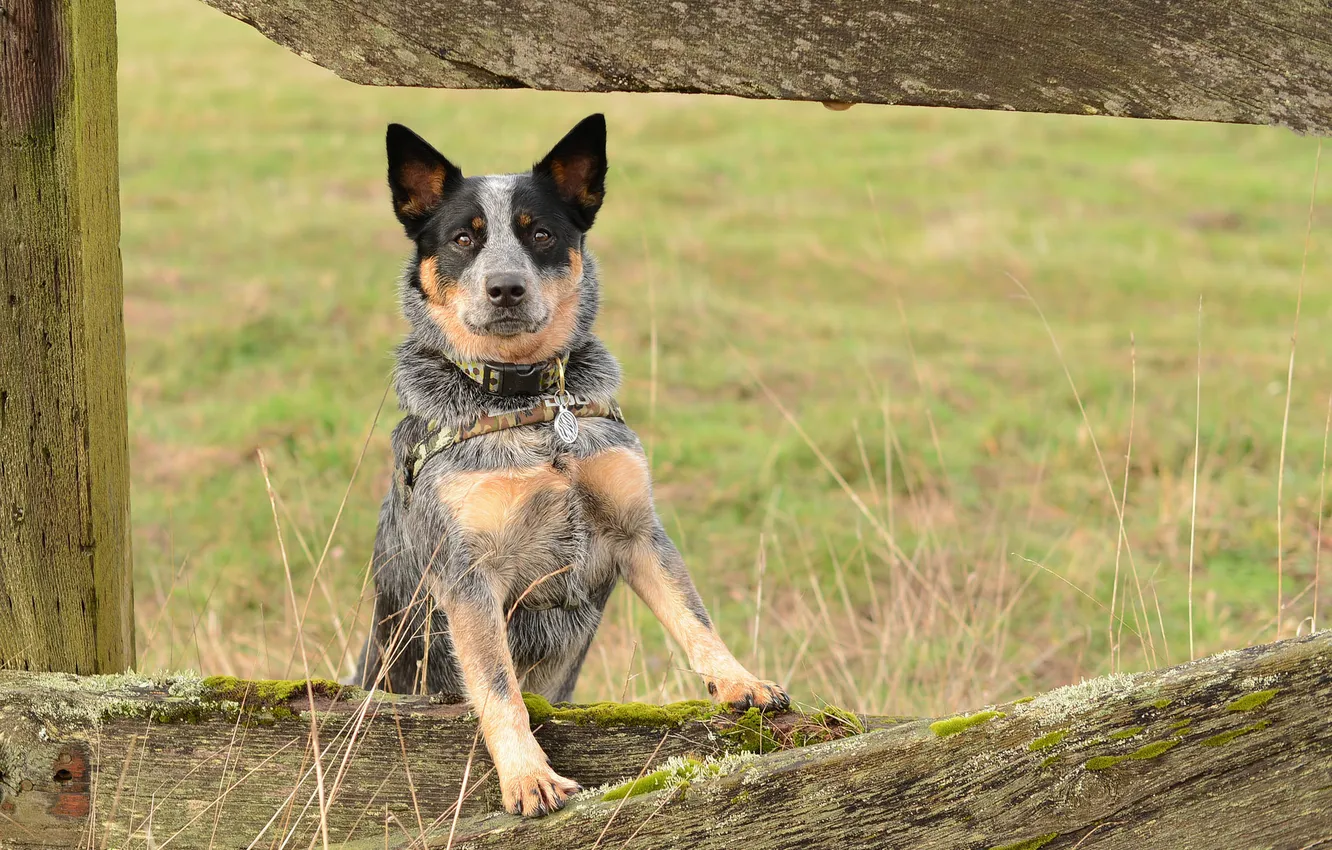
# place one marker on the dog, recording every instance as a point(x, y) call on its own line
point(520, 497)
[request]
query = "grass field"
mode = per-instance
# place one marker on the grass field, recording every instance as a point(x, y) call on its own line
point(864, 437)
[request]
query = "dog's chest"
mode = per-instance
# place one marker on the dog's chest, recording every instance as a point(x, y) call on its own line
point(544, 533)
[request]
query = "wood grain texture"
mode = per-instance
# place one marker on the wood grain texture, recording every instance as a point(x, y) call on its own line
point(1230, 751)
point(65, 593)
point(1247, 61)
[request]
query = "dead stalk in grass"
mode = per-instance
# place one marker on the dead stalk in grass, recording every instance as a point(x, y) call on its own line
point(1290, 383)
point(625, 798)
point(305, 661)
point(1322, 493)
point(1100, 459)
point(337, 518)
point(1123, 502)
point(1197, 443)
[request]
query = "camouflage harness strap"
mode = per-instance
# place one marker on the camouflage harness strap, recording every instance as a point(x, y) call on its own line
point(439, 440)
point(515, 378)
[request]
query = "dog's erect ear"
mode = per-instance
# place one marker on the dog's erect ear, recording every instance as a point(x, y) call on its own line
point(418, 176)
point(577, 167)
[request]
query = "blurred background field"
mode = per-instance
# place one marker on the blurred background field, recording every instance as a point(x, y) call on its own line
point(864, 438)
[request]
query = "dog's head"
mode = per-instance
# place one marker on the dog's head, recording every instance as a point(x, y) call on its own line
point(500, 269)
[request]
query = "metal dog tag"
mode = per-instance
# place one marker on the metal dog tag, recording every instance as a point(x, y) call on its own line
point(566, 426)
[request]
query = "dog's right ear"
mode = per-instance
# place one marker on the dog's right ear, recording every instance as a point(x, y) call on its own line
point(418, 176)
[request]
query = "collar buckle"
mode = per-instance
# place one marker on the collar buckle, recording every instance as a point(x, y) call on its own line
point(509, 379)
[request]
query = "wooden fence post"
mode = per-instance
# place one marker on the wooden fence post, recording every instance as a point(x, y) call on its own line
point(66, 601)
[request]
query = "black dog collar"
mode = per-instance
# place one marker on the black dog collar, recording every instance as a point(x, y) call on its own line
point(509, 379)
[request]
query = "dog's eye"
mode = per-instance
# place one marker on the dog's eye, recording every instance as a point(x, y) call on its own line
point(462, 240)
point(541, 236)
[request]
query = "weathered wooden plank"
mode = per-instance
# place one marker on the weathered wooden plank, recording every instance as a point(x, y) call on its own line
point(1231, 751)
point(1247, 61)
point(220, 763)
point(65, 592)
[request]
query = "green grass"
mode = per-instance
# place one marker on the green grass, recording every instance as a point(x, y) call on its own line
point(858, 263)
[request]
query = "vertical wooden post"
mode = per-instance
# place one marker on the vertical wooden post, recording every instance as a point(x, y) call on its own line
point(66, 601)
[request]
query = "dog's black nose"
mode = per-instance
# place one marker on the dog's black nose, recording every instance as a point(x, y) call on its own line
point(505, 289)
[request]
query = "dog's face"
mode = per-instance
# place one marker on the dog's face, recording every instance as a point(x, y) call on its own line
point(500, 257)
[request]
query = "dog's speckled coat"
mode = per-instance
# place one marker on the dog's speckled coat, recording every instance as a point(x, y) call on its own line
point(492, 578)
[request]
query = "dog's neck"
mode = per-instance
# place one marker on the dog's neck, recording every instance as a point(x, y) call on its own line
point(431, 384)
point(509, 379)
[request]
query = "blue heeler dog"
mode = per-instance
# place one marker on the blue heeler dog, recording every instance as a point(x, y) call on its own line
point(520, 496)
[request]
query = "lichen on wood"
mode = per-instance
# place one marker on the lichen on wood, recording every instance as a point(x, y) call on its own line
point(1248, 61)
point(1049, 773)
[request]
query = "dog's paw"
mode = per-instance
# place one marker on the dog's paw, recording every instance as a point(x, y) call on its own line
point(752, 693)
point(537, 792)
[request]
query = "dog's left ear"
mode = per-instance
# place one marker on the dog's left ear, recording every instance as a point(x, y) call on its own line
point(577, 167)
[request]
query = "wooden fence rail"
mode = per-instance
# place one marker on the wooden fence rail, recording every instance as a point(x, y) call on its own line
point(1248, 61)
point(1231, 751)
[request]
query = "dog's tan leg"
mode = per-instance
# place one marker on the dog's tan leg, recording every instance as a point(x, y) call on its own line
point(620, 486)
point(657, 574)
point(476, 625)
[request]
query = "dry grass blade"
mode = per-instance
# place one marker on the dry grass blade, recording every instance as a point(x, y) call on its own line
point(1098, 602)
point(407, 769)
point(337, 518)
point(1100, 458)
point(665, 798)
point(222, 775)
point(305, 661)
point(218, 801)
point(1322, 494)
point(462, 786)
point(1123, 503)
point(1197, 443)
point(536, 582)
point(851, 494)
point(1290, 382)
point(642, 771)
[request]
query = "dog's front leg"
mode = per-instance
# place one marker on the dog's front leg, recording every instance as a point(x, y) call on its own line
point(658, 575)
point(477, 629)
point(619, 490)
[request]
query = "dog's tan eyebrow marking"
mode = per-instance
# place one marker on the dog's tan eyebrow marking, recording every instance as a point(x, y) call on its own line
point(478, 223)
point(524, 219)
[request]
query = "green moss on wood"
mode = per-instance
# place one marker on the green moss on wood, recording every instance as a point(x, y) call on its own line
point(1049, 760)
point(1030, 844)
point(1154, 749)
point(828, 724)
point(1226, 737)
point(1162, 704)
point(1122, 734)
point(643, 785)
point(1180, 724)
point(1103, 762)
point(539, 711)
point(1252, 701)
point(751, 734)
point(1046, 741)
point(256, 694)
point(1023, 701)
point(1143, 753)
point(832, 716)
point(954, 725)
point(678, 772)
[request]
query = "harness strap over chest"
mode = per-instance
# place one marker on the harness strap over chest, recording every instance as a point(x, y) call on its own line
point(439, 439)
